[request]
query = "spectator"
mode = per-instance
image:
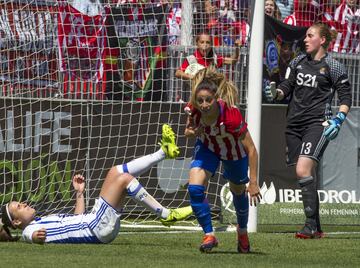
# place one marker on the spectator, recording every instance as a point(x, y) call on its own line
point(204, 56)
point(347, 21)
point(285, 7)
point(228, 21)
point(200, 15)
point(305, 13)
point(272, 10)
point(173, 23)
point(241, 32)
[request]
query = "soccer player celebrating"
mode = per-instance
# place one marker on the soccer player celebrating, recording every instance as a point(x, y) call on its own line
point(102, 224)
point(312, 79)
point(222, 135)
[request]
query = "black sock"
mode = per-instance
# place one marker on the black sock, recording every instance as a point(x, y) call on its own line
point(317, 214)
point(310, 199)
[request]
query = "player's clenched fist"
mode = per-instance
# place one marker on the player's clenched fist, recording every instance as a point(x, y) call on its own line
point(79, 183)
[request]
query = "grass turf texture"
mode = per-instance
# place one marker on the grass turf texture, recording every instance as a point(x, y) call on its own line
point(147, 249)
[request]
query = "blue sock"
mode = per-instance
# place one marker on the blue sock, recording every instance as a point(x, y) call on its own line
point(241, 204)
point(200, 206)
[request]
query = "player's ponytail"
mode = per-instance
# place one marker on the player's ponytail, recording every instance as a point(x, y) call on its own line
point(228, 93)
point(217, 83)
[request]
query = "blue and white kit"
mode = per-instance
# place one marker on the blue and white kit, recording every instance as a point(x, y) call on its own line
point(101, 225)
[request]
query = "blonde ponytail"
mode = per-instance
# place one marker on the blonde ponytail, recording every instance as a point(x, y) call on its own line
point(224, 89)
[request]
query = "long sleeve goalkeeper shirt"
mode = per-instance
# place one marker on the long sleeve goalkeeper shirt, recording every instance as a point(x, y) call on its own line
point(312, 85)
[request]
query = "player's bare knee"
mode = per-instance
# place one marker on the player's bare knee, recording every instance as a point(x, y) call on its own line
point(237, 189)
point(198, 176)
point(125, 178)
point(114, 176)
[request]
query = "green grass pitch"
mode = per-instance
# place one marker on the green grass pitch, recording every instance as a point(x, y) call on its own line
point(271, 247)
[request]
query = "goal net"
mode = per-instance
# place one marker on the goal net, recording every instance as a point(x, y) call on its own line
point(87, 84)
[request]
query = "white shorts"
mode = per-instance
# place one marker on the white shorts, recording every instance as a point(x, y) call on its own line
point(108, 224)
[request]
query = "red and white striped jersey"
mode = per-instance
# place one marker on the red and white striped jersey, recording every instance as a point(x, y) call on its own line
point(241, 30)
point(347, 23)
point(303, 16)
point(223, 137)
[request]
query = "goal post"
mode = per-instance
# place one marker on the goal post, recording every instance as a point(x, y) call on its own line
point(255, 95)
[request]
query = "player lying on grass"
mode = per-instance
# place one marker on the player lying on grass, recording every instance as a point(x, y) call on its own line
point(102, 224)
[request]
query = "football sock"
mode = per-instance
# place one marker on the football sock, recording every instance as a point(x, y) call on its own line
point(317, 213)
point(142, 164)
point(142, 197)
point(310, 199)
point(241, 204)
point(200, 206)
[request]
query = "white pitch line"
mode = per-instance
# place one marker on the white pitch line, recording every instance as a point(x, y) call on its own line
point(187, 229)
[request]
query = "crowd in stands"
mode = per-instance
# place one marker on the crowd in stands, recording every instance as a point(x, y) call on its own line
point(228, 20)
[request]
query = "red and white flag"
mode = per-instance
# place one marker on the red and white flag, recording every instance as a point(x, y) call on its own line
point(81, 43)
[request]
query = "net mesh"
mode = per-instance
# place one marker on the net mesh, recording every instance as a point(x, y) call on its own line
point(86, 85)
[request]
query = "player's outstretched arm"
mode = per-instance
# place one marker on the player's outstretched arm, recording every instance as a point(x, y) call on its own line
point(79, 187)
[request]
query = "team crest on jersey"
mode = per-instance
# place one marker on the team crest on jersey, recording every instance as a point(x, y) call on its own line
point(322, 70)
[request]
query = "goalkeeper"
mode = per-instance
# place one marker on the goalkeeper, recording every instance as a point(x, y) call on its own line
point(102, 224)
point(203, 57)
point(312, 80)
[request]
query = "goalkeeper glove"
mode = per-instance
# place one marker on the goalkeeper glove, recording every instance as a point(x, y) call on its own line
point(332, 126)
point(271, 92)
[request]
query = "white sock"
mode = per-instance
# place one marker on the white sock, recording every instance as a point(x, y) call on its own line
point(140, 165)
point(142, 197)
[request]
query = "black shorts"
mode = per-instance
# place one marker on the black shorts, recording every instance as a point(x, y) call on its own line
point(307, 141)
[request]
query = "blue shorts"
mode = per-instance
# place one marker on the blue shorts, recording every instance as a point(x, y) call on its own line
point(235, 171)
